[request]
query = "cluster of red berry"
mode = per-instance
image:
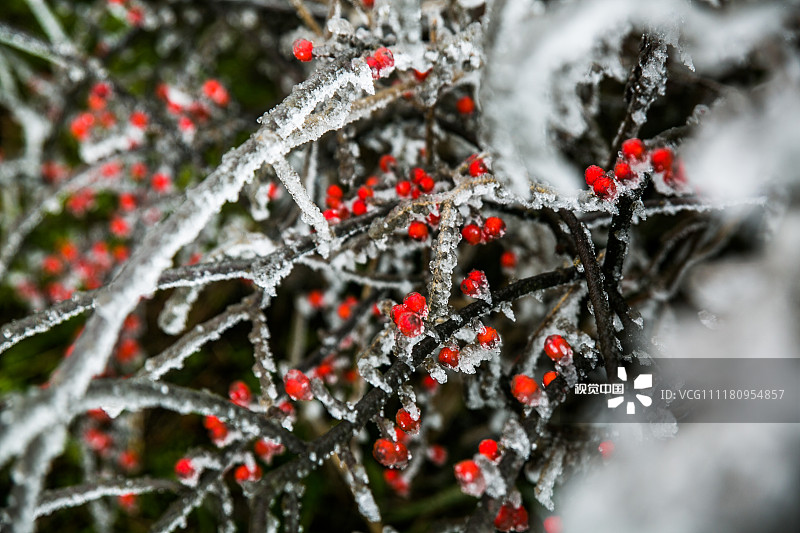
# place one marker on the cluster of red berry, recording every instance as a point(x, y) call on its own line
point(409, 316)
point(634, 159)
point(475, 284)
point(493, 228)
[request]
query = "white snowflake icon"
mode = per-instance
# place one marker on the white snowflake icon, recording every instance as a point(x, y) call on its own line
point(642, 381)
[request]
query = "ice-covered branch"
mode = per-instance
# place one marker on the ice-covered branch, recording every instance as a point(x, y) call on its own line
point(77, 495)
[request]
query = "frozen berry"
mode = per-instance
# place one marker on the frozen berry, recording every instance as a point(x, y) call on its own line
point(525, 389)
point(469, 477)
point(556, 347)
point(633, 149)
point(604, 187)
point(403, 188)
point(418, 231)
point(661, 159)
point(493, 228)
point(302, 49)
point(488, 338)
point(471, 233)
point(465, 105)
point(449, 356)
point(406, 422)
point(477, 167)
point(297, 385)
point(410, 324)
point(592, 174)
point(508, 259)
point(387, 162)
point(489, 449)
point(239, 393)
point(416, 303)
point(623, 172)
point(548, 377)
point(244, 473)
point(184, 468)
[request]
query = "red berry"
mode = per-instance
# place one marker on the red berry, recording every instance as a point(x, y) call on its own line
point(239, 393)
point(267, 449)
point(403, 188)
point(390, 454)
point(409, 324)
point(633, 149)
point(359, 208)
point(508, 259)
point(426, 184)
point(433, 219)
point(406, 423)
point(489, 449)
point(553, 524)
point(316, 299)
point(488, 338)
point(592, 174)
point(365, 192)
point(661, 159)
point(556, 347)
point(494, 228)
point(471, 233)
point(477, 167)
point(416, 303)
point(387, 162)
point(606, 449)
point(465, 105)
point(138, 119)
point(604, 187)
point(217, 429)
point(160, 182)
point(335, 191)
point(623, 172)
point(214, 90)
point(510, 518)
point(384, 57)
point(244, 473)
point(97, 440)
point(469, 477)
point(475, 284)
point(549, 377)
point(418, 231)
point(302, 50)
point(297, 385)
point(449, 356)
point(437, 454)
point(184, 468)
point(525, 389)
point(396, 481)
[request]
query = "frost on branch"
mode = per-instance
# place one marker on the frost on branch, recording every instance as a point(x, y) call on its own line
point(564, 160)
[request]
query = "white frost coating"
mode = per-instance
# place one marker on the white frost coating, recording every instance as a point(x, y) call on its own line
point(444, 261)
point(515, 438)
point(495, 484)
point(472, 355)
point(264, 365)
point(310, 213)
point(547, 55)
point(548, 476)
point(409, 400)
point(172, 319)
point(338, 409)
point(306, 96)
point(356, 477)
point(375, 356)
point(174, 357)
